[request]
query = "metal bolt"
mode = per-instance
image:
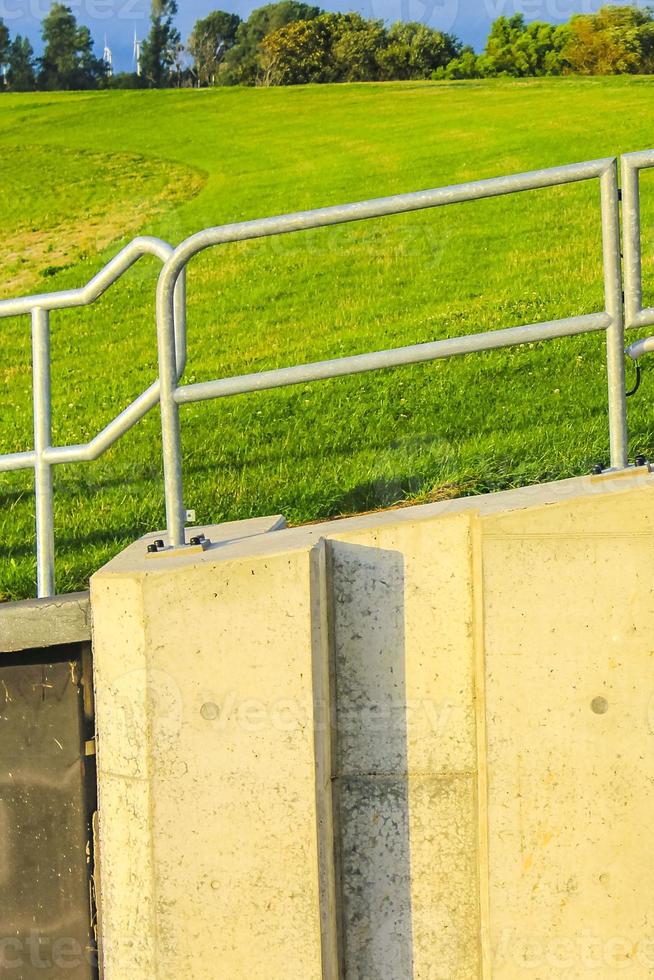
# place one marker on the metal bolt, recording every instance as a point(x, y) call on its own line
point(641, 460)
point(159, 544)
point(152, 549)
point(196, 541)
point(597, 469)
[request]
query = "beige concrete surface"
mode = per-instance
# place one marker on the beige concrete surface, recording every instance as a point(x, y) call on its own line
point(415, 744)
point(569, 650)
point(406, 756)
point(208, 744)
point(37, 623)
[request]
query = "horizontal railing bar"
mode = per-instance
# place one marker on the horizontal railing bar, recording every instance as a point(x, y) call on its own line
point(644, 318)
point(383, 206)
point(414, 354)
point(641, 160)
point(640, 347)
point(70, 298)
point(17, 461)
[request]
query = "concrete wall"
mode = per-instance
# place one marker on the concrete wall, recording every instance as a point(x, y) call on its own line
point(415, 744)
point(38, 624)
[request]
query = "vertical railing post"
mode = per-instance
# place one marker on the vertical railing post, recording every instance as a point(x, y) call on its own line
point(611, 239)
point(170, 425)
point(633, 285)
point(43, 490)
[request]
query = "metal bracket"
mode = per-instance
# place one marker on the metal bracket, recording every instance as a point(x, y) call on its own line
point(196, 545)
point(615, 474)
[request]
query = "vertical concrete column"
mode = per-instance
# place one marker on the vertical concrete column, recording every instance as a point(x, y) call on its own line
point(569, 615)
point(212, 687)
point(406, 762)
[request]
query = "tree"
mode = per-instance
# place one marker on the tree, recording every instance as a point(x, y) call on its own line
point(21, 75)
point(241, 65)
point(328, 48)
point(210, 39)
point(160, 50)
point(124, 80)
point(465, 66)
point(297, 53)
point(416, 51)
point(68, 61)
point(615, 40)
point(350, 48)
point(522, 50)
point(356, 47)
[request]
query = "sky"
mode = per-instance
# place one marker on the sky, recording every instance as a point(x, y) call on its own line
point(119, 19)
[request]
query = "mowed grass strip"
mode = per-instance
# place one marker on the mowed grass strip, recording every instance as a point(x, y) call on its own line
point(78, 170)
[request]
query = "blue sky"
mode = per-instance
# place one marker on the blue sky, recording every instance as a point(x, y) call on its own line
point(118, 19)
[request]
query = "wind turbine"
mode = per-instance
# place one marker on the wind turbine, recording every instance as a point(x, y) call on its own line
point(108, 58)
point(137, 54)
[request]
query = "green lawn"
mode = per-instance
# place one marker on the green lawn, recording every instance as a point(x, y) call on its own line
point(81, 174)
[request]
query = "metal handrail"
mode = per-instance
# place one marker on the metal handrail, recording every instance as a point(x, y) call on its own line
point(172, 394)
point(171, 329)
point(44, 455)
point(635, 314)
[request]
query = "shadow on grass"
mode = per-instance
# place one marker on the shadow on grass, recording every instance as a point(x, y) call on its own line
point(230, 462)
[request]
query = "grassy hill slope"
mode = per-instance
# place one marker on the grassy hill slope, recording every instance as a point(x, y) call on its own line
point(81, 174)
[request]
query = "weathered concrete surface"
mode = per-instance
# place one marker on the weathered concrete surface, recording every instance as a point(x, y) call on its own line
point(568, 607)
point(479, 804)
point(406, 759)
point(38, 623)
point(214, 770)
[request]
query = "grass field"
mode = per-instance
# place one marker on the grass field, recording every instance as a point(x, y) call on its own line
point(80, 174)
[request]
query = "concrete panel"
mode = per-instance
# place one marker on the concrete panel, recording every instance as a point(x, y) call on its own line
point(406, 758)
point(40, 623)
point(569, 617)
point(473, 678)
point(214, 771)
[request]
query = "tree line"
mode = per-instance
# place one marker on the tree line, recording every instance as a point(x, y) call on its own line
point(68, 61)
point(292, 42)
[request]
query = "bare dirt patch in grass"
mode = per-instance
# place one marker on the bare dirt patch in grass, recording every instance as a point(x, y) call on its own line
point(60, 207)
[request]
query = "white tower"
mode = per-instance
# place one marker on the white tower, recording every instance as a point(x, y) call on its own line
point(108, 58)
point(137, 54)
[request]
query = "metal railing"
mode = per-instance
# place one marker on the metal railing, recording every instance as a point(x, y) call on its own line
point(44, 455)
point(635, 314)
point(171, 331)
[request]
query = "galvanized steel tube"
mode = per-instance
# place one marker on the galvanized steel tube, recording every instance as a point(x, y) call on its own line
point(45, 549)
point(632, 164)
point(614, 307)
point(304, 220)
point(640, 347)
point(633, 286)
point(415, 354)
point(70, 298)
point(381, 207)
